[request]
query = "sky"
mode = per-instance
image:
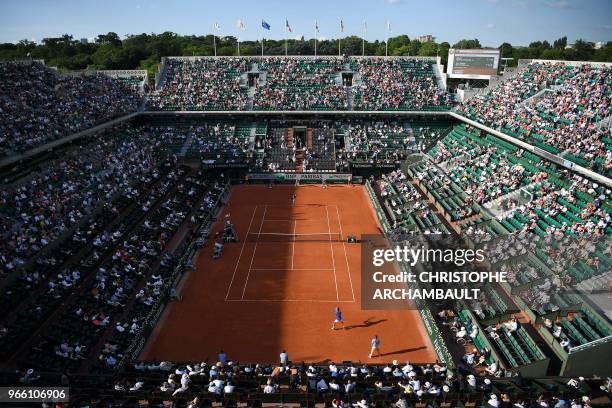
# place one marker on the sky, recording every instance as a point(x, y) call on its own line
point(518, 22)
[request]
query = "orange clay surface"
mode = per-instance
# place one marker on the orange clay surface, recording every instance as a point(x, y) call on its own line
point(270, 292)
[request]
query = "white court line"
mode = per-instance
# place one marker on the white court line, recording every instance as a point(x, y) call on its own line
point(348, 269)
point(292, 269)
point(297, 205)
point(240, 256)
point(288, 234)
point(293, 244)
point(291, 300)
point(331, 247)
point(254, 250)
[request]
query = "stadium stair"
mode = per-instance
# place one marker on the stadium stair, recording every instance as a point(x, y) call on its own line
point(299, 161)
point(290, 138)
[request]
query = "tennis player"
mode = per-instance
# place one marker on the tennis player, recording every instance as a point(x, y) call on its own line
point(375, 346)
point(293, 199)
point(338, 319)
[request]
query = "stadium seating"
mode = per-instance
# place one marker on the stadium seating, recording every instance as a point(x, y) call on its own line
point(38, 105)
point(201, 84)
point(398, 84)
point(202, 384)
point(407, 210)
point(95, 235)
point(555, 107)
point(300, 84)
point(216, 143)
point(379, 142)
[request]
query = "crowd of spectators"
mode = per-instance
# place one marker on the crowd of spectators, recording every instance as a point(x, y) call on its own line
point(399, 84)
point(282, 83)
point(407, 209)
point(301, 84)
point(219, 142)
point(128, 273)
point(375, 142)
point(339, 385)
point(551, 201)
point(487, 168)
point(38, 105)
point(61, 220)
point(201, 84)
point(554, 106)
point(39, 210)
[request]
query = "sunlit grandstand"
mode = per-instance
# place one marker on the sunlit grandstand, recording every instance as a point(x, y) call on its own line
point(184, 231)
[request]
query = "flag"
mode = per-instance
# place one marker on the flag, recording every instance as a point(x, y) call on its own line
point(240, 24)
point(316, 26)
point(265, 25)
point(217, 26)
point(288, 26)
point(341, 26)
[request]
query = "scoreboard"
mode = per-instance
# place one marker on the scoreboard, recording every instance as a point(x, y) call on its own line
point(473, 64)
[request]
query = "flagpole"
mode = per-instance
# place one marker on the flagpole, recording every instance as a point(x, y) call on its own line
point(387, 40)
point(365, 30)
point(340, 35)
point(316, 32)
point(215, 43)
point(238, 44)
point(286, 34)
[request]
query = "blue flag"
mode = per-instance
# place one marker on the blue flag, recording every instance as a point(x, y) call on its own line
point(265, 25)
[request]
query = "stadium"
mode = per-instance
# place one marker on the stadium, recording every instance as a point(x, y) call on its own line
point(184, 232)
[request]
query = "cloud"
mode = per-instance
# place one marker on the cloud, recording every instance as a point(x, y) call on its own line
point(392, 1)
point(490, 25)
point(520, 4)
point(558, 4)
point(605, 26)
point(492, 1)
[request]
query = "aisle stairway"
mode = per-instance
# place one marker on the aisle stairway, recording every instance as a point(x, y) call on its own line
point(299, 161)
point(290, 138)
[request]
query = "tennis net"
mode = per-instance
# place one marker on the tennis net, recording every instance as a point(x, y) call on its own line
point(293, 237)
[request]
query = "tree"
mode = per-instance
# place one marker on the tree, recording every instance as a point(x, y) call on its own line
point(428, 49)
point(604, 53)
point(506, 50)
point(109, 38)
point(582, 51)
point(468, 44)
point(561, 43)
point(444, 47)
point(145, 50)
point(553, 54)
point(398, 42)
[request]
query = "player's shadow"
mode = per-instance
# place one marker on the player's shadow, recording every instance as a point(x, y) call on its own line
point(366, 323)
point(404, 351)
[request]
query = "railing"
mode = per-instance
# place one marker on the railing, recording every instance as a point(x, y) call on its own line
point(428, 320)
point(302, 57)
point(536, 150)
point(523, 62)
point(590, 344)
point(153, 317)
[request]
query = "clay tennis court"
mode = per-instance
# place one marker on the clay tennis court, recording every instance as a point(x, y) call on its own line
point(277, 288)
